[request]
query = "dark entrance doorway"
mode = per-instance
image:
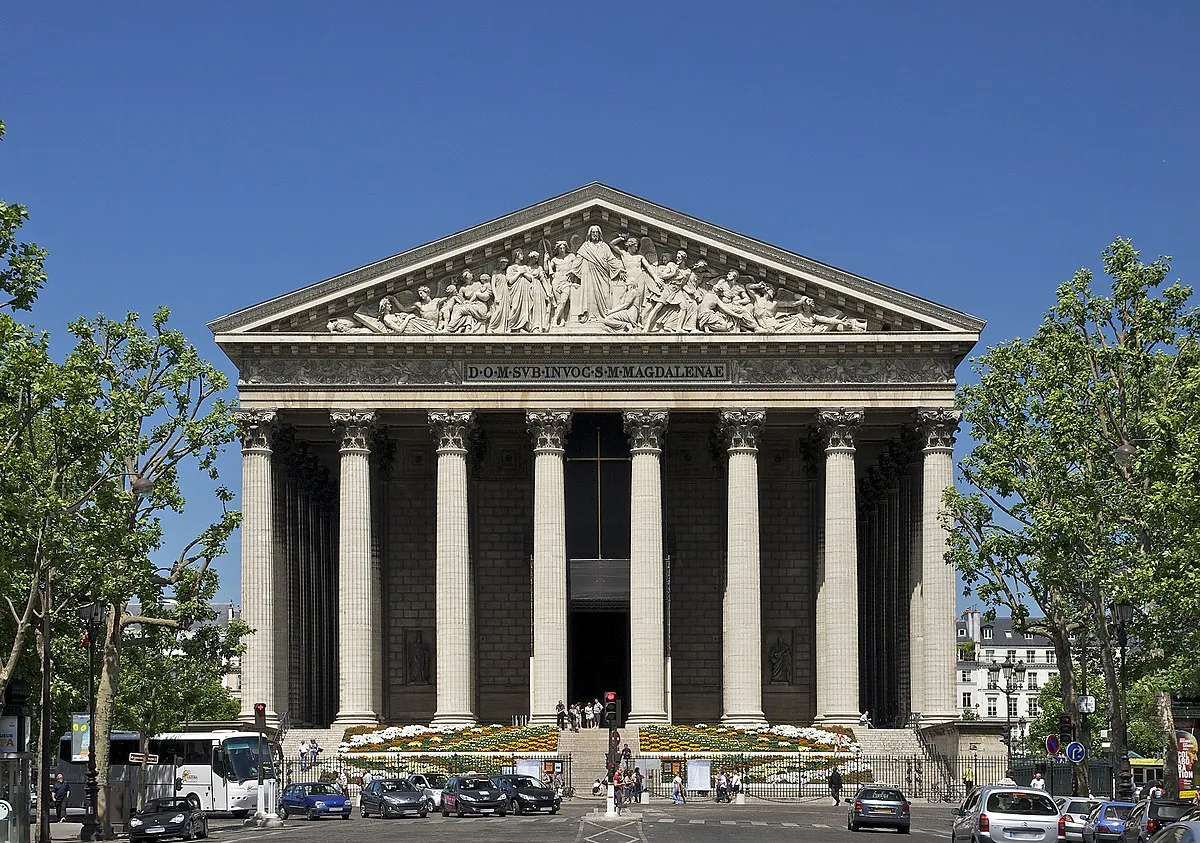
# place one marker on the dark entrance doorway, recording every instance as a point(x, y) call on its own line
point(598, 655)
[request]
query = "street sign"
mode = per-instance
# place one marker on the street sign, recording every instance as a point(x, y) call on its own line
point(1076, 752)
point(1052, 744)
point(142, 757)
point(1087, 704)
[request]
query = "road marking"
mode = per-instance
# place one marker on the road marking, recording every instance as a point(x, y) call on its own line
point(756, 822)
point(790, 825)
point(728, 822)
point(695, 822)
point(821, 825)
point(667, 820)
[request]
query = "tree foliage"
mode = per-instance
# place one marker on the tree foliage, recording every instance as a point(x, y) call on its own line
point(1081, 488)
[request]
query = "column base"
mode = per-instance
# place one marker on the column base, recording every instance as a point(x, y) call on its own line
point(936, 718)
point(745, 720)
point(543, 719)
point(647, 718)
point(454, 721)
point(355, 718)
point(836, 719)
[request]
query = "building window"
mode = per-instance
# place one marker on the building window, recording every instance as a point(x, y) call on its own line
point(991, 707)
point(1012, 656)
point(1028, 636)
point(1051, 675)
point(987, 633)
point(1012, 706)
point(966, 676)
point(1034, 710)
point(1030, 656)
point(1032, 680)
point(1051, 658)
point(989, 655)
point(962, 633)
point(966, 697)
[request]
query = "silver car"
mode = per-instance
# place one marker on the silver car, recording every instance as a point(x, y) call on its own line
point(431, 784)
point(999, 814)
point(1075, 812)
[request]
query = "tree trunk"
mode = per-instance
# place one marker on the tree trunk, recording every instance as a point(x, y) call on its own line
point(106, 693)
point(1166, 720)
point(24, 624)
point(46, 747)
point(1070, 700)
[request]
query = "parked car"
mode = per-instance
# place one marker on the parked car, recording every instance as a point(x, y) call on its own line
point(1075, 811)
point(878, 806)
point(314, 800)
point(1150, 815)
point(998, 814)
point(432, 784)
point(171, 816)
point(473, 795)
point(1106, 822)
point(1181, 832)
point(393, 798)
point(525, 793)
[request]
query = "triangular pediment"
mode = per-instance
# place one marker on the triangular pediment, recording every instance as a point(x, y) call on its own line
point(649, 271)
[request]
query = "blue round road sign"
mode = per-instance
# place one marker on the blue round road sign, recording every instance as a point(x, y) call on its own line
point(1076, 752)
point(1052, 744)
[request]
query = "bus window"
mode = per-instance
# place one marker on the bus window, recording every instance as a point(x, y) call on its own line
point(244, 758)
point(218, 763)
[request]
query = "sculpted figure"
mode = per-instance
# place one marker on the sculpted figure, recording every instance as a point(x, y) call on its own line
point(346, 326)
point(623, 315)
point(520, 295)
point(540, 293)
point(806, 319)
point(469, 314)
point(711, 317)
point(446, 310)
point(780, 658)
point(736, 302)
point(564, 282)
point(498, 318)
point(597, 268)
point(418, 661)
point(423, 318)
point(639, 273)
point(674, 308)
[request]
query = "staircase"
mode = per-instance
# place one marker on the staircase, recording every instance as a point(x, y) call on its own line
point(588, 749)
point(896, 743)
point(327, 739)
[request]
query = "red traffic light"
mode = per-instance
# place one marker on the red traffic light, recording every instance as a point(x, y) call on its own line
point(610, 696)
point(260, 707)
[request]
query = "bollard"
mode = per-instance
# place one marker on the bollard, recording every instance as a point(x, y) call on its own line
point(610, 803)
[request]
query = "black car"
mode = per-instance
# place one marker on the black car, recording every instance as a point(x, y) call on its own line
point(393, 798)
point(878, 806)
point(171, 816)
point(473, 795)
point(1149, 816)
point(525, 793)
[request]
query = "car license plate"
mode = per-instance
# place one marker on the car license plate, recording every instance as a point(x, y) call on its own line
point(883, 810)
point(1028, 833)
point(158, 829)
point(486, 810)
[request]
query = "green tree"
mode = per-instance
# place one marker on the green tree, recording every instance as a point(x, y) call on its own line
point(1081, 486)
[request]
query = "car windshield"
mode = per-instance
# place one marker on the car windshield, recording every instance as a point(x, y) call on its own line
point(318, 789)
point(244, 756)
point(1168, 813)
point(395, 784)
point(154, 806)
point(435, 779)
point(1117, 811)
point(523, 781)
point(1078, 806)
point(476, 784)
point(881, 795)
point(1018, 802)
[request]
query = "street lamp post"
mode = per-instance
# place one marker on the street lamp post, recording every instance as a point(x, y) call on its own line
point(92, 615)
point(1123, 616)
point(1009, 689)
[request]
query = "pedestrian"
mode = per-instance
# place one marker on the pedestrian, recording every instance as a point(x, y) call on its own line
point(627, 758)
point(618, 788)
point(303, 753)
point(367, 778)
point(864, 719)
point(735, 783)
point(597, 787)
point(585, 715)
point(597, 709)
point(573, 715)
point(722, 787)
point(1038, 782)
point(343, 783)
point(968, 780)
point(561, 711)
point(639, 784)
point(60, 791)
point(835, 786)
point(677, 795)
point(313, 749)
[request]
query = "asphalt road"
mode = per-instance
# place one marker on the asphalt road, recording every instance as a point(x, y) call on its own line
point(660, 822)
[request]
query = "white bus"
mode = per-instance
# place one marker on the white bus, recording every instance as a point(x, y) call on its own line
point(218, 770)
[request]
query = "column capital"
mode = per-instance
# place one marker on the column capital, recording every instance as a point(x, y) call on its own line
point(839, 427)
point(939, 427)
point(549, 428)
point(742, 428)
point(256, 428)
point(451, 429)
point(352, 427)
point(645, 428)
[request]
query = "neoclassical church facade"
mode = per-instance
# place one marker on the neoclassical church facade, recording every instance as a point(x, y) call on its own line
point(594, 445)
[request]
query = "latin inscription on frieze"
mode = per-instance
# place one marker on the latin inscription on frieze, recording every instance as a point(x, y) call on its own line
point(607, 371)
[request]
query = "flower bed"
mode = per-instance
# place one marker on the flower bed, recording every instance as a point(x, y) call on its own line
point(703, 738)
point(416, 738)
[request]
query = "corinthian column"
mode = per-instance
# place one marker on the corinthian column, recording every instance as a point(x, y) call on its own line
point(647, 664)
point(358, 667)
point(837, 595)
point(741, 651)
point(262, 581)
point(455, 652)
point(548, 671)
point(937, 576)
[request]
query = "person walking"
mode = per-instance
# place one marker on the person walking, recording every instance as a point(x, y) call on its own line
point(722, 787)
point(835, 786)
point(639, 784)
point(1038, 782)
point(302, 752)
point(60, 791)
point(677, 795)
point(735, 784)
point(313, 749)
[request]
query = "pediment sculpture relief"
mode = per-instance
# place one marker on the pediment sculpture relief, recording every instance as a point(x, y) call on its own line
point(590, 285)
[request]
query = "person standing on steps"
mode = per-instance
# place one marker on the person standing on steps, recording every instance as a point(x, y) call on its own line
point(835, 786)
point(562, 716)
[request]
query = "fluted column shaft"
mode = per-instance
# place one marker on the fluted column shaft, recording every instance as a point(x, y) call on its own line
point(916, 615)
point(938, 591)
point(262, 582)
point(548, 669)
point(741, 651)
point(358, 670)
point(647, 664)
point(838, 596)
point(455, 653)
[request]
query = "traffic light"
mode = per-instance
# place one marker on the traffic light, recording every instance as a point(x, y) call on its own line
point(1066, 729)
point(260, 716)
point(610, 716)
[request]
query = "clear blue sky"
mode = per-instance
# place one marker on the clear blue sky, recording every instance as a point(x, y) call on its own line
point(210, 155)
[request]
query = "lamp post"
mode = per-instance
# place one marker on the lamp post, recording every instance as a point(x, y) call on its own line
point(1122, 615)
point(1011, 671)
point(92, 615)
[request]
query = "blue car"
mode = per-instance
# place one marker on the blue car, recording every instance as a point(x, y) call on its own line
point(1106, 822)
point(313, 800)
